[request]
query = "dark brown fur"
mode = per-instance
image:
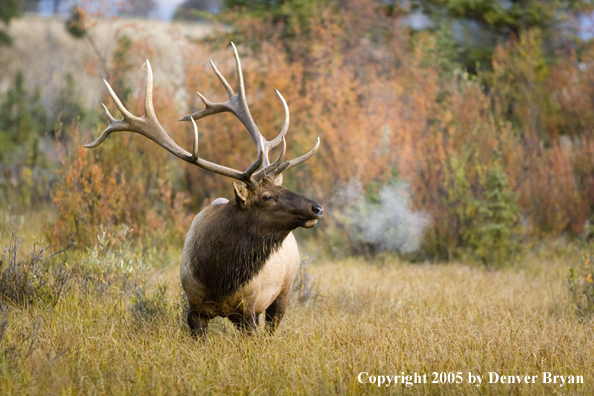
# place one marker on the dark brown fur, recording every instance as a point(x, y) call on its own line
point(235, 252)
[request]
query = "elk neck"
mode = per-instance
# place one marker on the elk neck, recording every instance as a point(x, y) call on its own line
point(237, 248)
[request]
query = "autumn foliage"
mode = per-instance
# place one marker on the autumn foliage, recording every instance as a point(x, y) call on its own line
point(96, 189)
point(493, 158)
point(124, 182)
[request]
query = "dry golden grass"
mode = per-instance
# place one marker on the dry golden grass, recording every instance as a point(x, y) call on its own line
point(383, 319)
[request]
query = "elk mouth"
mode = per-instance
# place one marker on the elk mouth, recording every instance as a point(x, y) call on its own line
point(307, 222)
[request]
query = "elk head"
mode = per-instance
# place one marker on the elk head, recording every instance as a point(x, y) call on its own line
point(259, 185)
point(277, 207)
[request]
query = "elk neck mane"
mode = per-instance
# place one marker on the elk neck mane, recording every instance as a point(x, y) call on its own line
point(234, 249)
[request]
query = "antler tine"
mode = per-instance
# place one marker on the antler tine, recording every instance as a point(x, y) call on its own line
point(149, 109)
point(117, 100)
point(253, 167)
point(276, 141)
point(114, 125)
point(195, 146)
point(212, 108)
point(240, 83)
point(222, 79)
point(294, 162)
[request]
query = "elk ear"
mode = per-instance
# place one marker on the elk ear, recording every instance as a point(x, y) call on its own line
point(241, 193)
point(278, 180)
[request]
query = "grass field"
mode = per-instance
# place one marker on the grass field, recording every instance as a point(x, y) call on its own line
point(380, 318)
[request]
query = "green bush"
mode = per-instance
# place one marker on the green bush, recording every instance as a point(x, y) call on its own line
point(581, 285)
point(111, 265)
point(476, 211)
point(493, 235)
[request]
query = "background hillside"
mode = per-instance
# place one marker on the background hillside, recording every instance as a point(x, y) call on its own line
point(46, 53)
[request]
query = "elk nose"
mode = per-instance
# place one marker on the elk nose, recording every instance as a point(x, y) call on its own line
point(317, 210)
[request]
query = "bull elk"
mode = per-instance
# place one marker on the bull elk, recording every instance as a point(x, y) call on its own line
point(239, 257)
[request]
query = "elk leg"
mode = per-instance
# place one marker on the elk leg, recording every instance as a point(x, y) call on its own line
point(276, 311)
point(237, 320)
point(252, 321)
point(246, 323)
point(198, 324)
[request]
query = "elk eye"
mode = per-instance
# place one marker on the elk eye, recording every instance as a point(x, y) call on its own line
point(267, 197)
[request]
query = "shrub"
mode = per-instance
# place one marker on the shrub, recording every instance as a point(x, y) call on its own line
point(476, 211)
point(384, 224)
point(95, 189)
point(494, 231)
point(305, 290)
point(380, 98)
point(30, 279)
point(580, 282)
point(111, 265)
point(23, 162)
point(86, 196)
point(149, 304)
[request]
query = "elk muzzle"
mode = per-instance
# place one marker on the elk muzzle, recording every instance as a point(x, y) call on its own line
point(315, 213)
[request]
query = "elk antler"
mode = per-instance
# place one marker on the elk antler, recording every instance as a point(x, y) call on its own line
point(149, 126)
point(237, 105)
